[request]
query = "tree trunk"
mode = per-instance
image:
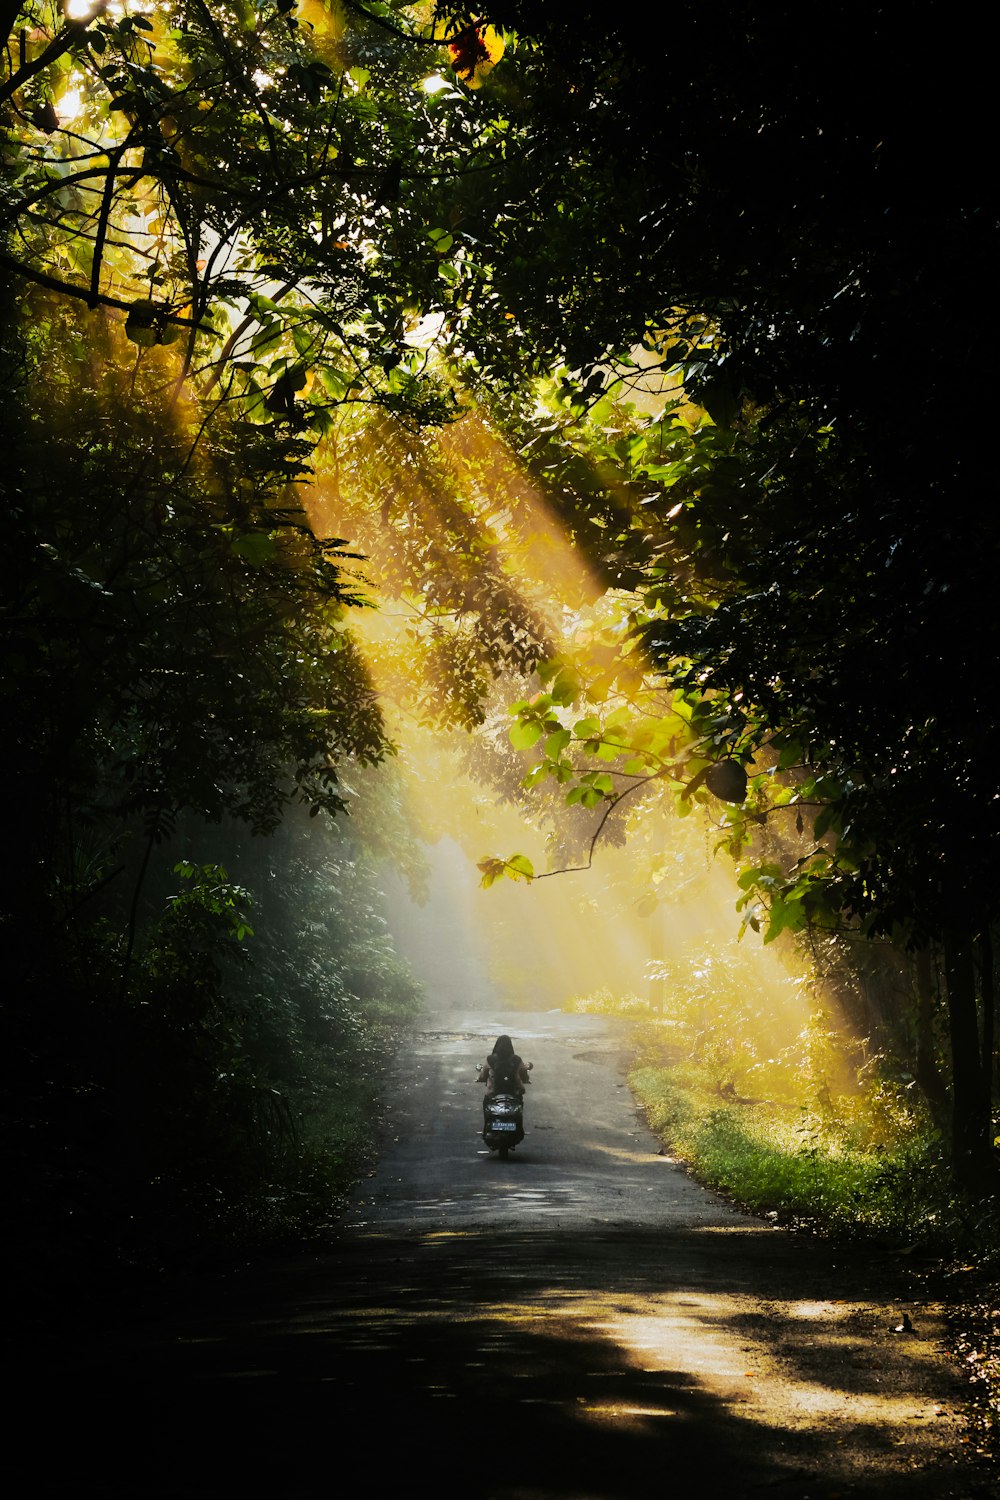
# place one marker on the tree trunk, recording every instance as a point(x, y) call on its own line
point(971, 1146)
point(928, 1075)
point(989, 1019)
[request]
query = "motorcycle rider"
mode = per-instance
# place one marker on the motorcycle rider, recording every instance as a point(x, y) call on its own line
point(503, 1072)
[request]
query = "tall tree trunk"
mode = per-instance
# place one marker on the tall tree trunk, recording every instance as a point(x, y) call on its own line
point(928, 1075)
point(989, 1018)
point(970, 1146)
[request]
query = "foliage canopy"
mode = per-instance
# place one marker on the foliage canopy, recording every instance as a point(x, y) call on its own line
point(251, 232)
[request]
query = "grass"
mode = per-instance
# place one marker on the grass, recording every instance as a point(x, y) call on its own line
point(785, 1160)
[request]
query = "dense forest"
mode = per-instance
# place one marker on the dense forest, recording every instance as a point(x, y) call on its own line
point(642, 369)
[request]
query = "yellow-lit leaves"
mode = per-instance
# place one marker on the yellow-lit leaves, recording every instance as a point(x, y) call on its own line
point(589, 730)
point(655, 740)
point(518, 867)
point(474, 52)
point(593, 787)
point(534, 718)
point(638, 748)
point(565, 687)
point(787, 901)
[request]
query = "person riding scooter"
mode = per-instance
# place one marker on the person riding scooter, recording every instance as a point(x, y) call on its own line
point(503, 1072)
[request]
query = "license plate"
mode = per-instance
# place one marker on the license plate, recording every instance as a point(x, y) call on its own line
point(503, 1125)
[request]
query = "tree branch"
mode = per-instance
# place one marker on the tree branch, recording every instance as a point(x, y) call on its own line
point(114, 157)
point(60, 43)
point(84, 294)
point(232, 58)
point(240, 330)
point(8, 15)
point(612, 803)
point(396, 31)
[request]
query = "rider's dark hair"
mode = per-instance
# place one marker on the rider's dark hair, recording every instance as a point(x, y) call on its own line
point(504, 1062)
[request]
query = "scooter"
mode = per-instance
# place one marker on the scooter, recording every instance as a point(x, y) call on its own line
point(503, 1119)
point(503, 1123)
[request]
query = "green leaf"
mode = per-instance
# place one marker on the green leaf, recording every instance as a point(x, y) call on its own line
point(776, 922)
point(566, 688)
point(335, 382)
point(320, 420)
point(303, 339)
point(525, 734)
point(784, 916)
point(256, 547)
point(268, 336)
point(791, 755)
point(825, 820)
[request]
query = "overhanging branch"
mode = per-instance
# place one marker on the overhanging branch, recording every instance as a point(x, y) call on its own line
point(103, 299)
point(60, 43)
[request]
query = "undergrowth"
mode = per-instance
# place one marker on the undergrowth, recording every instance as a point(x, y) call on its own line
point(817, 1133)
point(786, 1160)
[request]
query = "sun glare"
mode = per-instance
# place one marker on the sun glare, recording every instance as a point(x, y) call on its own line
point(70, 104)
point(556, 941)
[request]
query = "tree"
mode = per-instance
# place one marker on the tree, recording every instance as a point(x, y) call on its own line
point(808, 256)
point(172, 620)
point(195, 295)
point(260, 189)
point(812, 260)
point(199, 985)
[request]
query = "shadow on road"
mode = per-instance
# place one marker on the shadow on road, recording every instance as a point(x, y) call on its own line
point(517, 1368)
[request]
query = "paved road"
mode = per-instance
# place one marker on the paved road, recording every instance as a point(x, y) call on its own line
point(586, 1161)
point(581, 1322)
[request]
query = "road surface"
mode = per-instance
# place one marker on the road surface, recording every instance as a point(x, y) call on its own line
point(582, 1322)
